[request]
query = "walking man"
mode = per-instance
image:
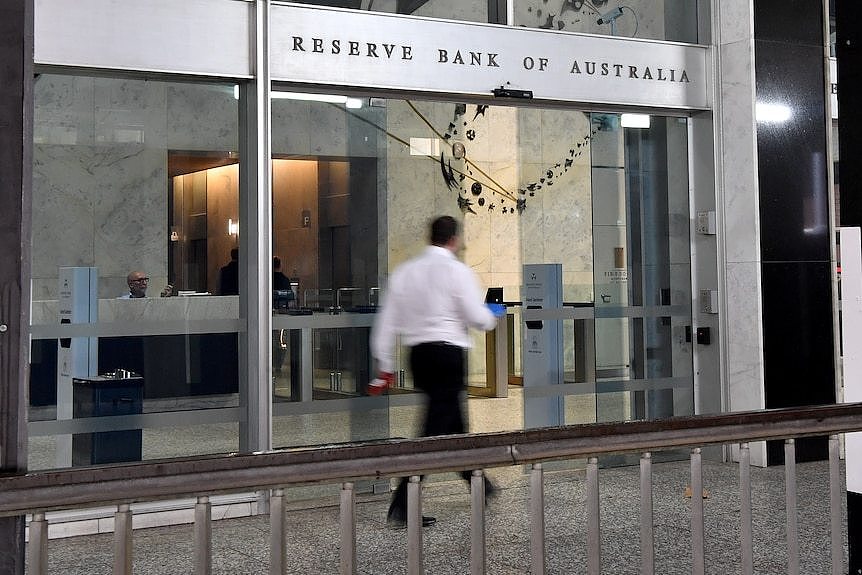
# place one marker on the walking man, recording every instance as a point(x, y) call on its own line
point(431, 301)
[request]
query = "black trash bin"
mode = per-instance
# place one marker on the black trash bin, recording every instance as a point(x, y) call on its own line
point(101, 396)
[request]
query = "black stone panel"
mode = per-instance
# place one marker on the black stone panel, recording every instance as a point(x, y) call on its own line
point(797, 334)
point(792, 162)
point(798, 345)
point(848, 48)
point(792, 21)
point(854, 530)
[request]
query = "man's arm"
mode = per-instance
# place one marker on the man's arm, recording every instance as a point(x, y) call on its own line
point(476, 314)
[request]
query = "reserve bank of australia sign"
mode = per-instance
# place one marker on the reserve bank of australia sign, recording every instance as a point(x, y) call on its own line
point(353, 48)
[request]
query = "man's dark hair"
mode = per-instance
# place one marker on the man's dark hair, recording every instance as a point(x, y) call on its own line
point(442, 230)
point(276, 262)
point(234, 253)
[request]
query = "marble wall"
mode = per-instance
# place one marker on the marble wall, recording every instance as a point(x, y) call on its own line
point(507, 150)
point(100, 182)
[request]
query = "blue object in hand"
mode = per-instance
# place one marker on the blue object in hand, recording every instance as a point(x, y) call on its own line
point(498, 309)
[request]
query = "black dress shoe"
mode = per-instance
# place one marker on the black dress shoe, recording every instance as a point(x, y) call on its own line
point(398, 520)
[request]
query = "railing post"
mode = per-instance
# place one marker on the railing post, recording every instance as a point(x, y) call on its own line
point(790, 490)
point(123, 540)
point(698, 565)
point(647, 546)
point(594, 529)
point(835, 506)
point(414, 525)
point(277, 550)
point(203, 536)
point(348, 529)
point(477, 523)
point(537, 520)
point(745, 533)
point(37, 563)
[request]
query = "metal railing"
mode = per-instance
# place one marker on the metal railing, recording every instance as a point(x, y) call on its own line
point(201, 477)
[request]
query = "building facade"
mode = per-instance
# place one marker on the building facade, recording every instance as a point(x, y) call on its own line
point(667, 165)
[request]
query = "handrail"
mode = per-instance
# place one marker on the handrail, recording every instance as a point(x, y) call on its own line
point(174, 478)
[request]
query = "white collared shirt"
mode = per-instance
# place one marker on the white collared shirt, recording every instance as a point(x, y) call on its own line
point(432, 297)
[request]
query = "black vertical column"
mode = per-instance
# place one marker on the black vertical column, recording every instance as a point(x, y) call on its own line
point(16, 139)
point(848, 51)
point(795, 228)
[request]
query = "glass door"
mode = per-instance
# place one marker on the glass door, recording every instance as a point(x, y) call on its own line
point(642, 268)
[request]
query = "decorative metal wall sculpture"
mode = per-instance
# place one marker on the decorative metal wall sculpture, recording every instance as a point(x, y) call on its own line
point(474, 186)
point(471, 181)
point(557, 20)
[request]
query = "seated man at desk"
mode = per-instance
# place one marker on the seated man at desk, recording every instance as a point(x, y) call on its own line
point(137, 282)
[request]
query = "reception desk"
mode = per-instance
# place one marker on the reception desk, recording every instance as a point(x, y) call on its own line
point(182, 346)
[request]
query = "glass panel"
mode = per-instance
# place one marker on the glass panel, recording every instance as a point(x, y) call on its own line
point(354, 188)
point(134, 186)
point(463, 10)
point(674, 20)
point(326, 175)
point(642, 268)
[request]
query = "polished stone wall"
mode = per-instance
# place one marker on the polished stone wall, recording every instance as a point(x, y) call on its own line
point(796, 232)
point(737, 208)
point(507, 150)
point(100, 172)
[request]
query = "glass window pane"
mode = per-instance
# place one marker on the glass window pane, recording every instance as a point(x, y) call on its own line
point(135, 184)
point(354, 188)
point(463, 10)
point(674, 20)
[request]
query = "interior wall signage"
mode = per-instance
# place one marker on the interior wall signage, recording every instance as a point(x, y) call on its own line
point(345, 47)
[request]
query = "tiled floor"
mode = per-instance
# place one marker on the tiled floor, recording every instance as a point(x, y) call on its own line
point(241, 546)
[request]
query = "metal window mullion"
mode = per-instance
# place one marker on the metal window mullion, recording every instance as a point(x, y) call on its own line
point(790, 492)
point(697, 547)
point(835, 506)
point(414, 526)
point(745, 526)
point(647, 540)
point(255, 243)
point(306, 365)
point(123, 540)
point(37, 551)
point(203, 536)
point(537, 520)
point(477, 523)
point(348, 529)
point(277, 531)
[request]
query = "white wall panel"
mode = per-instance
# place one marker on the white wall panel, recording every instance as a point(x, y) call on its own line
point(207, 37)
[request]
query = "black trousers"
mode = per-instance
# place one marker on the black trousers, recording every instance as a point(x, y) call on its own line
point(439, 370)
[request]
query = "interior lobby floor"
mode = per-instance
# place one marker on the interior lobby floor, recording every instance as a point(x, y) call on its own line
point(241, 546)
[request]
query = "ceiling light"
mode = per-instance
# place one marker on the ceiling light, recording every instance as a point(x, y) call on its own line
point(328, 98)
point(634, 120)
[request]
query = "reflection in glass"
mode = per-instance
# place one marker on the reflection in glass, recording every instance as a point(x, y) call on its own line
point(150, 184)
point(674, 20)
point(462, 10)
point(354, 189)
point(134, 185)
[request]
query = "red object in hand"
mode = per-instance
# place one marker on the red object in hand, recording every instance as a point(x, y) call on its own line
point(381, 383)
